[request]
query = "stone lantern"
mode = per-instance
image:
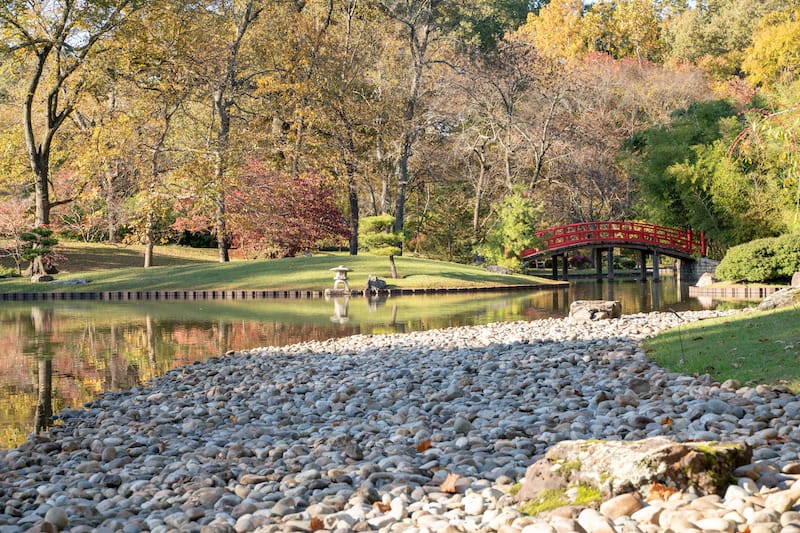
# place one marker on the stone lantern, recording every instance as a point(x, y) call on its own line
point(340, 279)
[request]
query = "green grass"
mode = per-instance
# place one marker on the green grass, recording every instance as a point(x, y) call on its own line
point(110, 268)
point(753, 347)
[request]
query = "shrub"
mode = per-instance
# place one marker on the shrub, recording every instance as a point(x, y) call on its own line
point(624, 263)
point(787, 255)
point(770, 259)
point(580, 261)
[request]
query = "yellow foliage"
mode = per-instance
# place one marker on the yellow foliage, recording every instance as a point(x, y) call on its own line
point(774, 56)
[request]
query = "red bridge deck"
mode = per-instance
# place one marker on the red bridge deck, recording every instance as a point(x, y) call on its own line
point(672, 241)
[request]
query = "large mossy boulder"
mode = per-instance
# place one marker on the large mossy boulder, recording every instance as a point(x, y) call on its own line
point(611, 468)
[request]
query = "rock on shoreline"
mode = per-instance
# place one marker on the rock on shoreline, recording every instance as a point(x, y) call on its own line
point(361, 433)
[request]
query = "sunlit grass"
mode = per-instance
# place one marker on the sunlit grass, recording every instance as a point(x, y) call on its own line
point(198, 271)
point(752, 347)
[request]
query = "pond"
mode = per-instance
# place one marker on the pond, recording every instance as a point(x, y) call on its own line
point(62, 354)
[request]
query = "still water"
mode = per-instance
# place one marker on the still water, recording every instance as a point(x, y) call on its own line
point(55, 355)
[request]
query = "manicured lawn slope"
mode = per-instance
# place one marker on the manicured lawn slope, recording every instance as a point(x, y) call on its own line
point(199, 272)
point(752, 347)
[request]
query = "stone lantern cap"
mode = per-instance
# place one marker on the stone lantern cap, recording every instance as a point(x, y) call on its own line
point(341, 268)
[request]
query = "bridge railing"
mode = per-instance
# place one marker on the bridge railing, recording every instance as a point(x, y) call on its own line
point(588, 233)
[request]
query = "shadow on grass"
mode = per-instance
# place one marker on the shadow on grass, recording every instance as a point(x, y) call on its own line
point(89, 259)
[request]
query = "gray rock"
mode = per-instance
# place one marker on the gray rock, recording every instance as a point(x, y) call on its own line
point(590, 310)
point(705, 280)
point(497, 269)
point(782, 298)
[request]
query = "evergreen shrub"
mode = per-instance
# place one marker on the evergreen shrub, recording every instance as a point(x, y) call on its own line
point(770, 259)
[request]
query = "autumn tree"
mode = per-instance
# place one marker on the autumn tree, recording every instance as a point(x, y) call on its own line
point(774, 55)
point(608, 101)
point(556, 30)
point(715, 34)
point(512, 109)
point(420, 24)
point(14, 222)
point(52, 41)
point(280, 215)
point(323, 97)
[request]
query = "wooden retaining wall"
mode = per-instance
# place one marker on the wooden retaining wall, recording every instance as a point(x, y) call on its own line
point(240, 294)
point(742, 293)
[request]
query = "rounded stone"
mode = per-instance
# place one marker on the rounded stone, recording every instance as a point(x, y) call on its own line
point(57, 516)
point(622, 505)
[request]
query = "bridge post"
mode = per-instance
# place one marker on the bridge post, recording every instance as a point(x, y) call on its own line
point(656, 267)
point(643, 265)
point(555, 266)
point(598, 263)
point(610, 263)
point(565, 266)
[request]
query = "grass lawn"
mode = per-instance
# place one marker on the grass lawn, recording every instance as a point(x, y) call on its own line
point(753, 347)
point(112, 268)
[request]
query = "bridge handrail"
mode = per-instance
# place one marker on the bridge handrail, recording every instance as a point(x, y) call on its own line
point(623, 232)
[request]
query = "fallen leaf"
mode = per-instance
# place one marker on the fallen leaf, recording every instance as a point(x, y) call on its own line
point(449, 484)
point(660, 492)
point(424, 445)
point(699, 338)
point(763, 340)
point(382, 507)
point(316, 524)
point(667, 421)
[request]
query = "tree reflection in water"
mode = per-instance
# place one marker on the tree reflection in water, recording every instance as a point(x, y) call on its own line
point(41, 345)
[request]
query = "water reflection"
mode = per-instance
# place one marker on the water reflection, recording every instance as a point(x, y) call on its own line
point(62, 354)
point(340, 307)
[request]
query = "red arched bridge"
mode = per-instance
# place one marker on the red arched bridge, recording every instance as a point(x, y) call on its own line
point(649, 239)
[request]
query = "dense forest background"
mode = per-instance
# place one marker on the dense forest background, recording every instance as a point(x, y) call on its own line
point(269, 128)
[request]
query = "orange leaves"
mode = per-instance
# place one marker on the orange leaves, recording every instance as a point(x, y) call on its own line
point(660, 492)
point(316, 524)
point(667, 421)
point(424, 445)
point(449, 484)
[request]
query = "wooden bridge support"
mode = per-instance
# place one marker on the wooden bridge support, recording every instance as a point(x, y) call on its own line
point(564, 266)
point(610, 273)
point(561, 260)
point(656, 267)
point(643, 265)
point(598, 263)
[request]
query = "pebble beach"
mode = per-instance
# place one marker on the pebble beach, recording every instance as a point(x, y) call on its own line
point(420, 432)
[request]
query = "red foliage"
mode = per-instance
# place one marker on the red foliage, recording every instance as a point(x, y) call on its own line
point(281, 216)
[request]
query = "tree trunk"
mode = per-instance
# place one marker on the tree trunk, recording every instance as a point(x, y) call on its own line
point(476, 209)
point(148, 240)
point(43, 327)
point(220, 224)
point(111, 207)
point(151, 343)
point(394, 267)
point(44, 406)
point(42, 196)
point(223, 243)
point(352, 196)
